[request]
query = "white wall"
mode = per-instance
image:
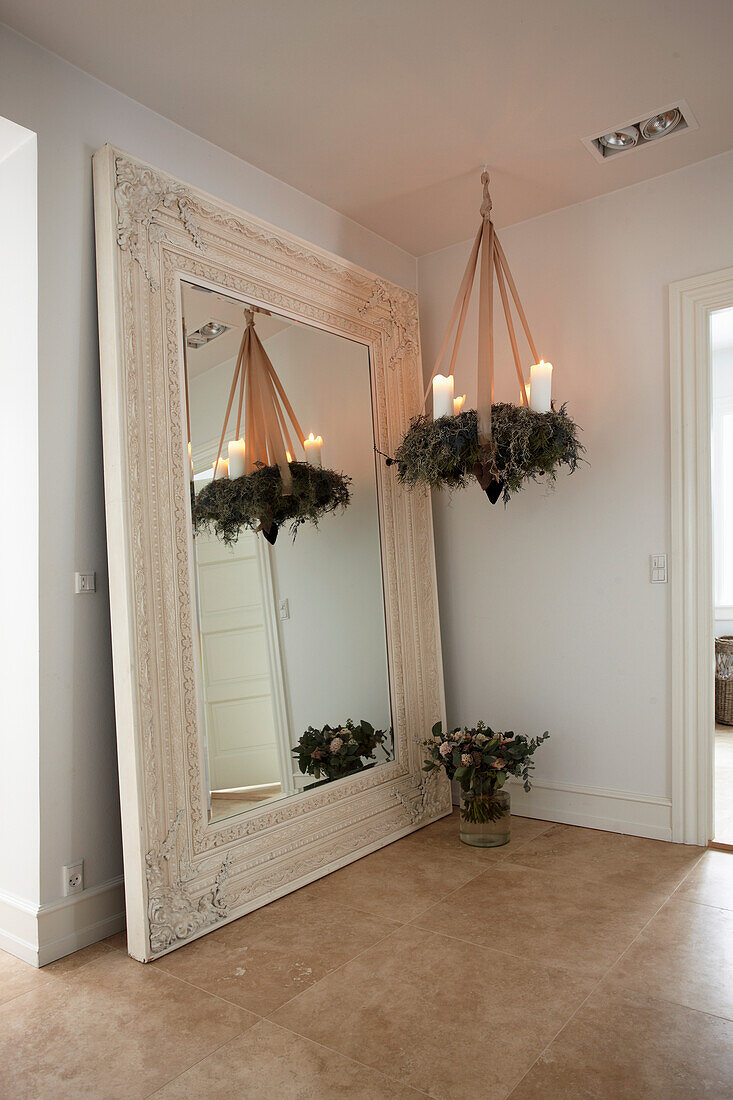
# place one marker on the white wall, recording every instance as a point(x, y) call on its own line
point(19, 726)
point(73, 115)
point(548, 617)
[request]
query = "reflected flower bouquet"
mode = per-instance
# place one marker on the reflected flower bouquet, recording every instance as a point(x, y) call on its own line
point(480, 760)
point(335, 751)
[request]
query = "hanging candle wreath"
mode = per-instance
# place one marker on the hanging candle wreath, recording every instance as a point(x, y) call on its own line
point(260, 486)
point(501, 445)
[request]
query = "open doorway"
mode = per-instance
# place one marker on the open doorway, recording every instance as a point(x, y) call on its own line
point(721, 361)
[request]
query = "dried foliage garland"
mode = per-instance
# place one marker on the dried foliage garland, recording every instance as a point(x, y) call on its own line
point(527, 446)
point(225, 506)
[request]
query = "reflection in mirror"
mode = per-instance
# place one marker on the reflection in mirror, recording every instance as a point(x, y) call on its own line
point(293, 686)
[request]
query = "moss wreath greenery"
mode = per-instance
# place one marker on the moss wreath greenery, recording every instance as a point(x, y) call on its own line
point(226, 506)
point(527, 446)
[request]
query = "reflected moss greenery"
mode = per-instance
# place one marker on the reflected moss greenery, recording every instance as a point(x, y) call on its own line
point(226, 506)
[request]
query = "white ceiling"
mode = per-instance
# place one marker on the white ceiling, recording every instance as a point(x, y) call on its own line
point(386, 109)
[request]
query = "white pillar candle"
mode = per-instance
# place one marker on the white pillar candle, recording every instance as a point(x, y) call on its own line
point(313, 445)
point(442, 396)
point(458, 403)
point(540, 378)
point(222, 470)
point(235, 461)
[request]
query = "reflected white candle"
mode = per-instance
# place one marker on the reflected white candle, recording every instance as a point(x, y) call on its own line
point(313, 445)
point(222, 470)
point(442, 396)
point(540, 377)
point(527, 388)
point(236, 458)
point(458, 403)
point(190, 463)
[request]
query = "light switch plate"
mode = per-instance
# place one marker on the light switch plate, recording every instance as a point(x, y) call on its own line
point(658, 568)
point(85, 583)
point(284, 607)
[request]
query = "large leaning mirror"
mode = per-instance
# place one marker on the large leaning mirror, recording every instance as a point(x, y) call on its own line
point(273, 675)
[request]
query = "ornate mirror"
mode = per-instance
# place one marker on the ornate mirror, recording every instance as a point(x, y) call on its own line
point(275, 633)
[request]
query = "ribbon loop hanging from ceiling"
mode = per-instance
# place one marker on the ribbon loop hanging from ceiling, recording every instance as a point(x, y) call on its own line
point(493, 261)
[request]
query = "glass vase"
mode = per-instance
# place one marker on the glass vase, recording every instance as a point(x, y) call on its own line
point(485, 819)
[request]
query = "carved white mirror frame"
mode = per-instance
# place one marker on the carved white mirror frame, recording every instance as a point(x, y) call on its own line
point(183, 873)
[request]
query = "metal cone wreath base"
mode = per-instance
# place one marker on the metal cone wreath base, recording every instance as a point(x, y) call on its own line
point(274, 489)
point(502, 446)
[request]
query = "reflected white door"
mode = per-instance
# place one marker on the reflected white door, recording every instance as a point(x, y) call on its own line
point(241, 734)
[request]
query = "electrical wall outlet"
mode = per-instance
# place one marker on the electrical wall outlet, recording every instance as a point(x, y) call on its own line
point(284, 608)
point(85, 583)
point(73, 878)
point(658, 568)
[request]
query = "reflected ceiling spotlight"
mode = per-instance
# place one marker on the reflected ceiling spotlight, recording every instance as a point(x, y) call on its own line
point(212, 329)
point(620, 139)
point(196, 341)
point(658, 125)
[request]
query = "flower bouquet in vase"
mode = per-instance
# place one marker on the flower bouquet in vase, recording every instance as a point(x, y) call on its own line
point(480, 761)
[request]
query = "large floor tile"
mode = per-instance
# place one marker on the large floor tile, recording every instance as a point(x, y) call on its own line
point(268, 1061)
point(446, 1017)
point(685, 954)
point(263, 959)
point(711, 881)
point(114, 1028)
point(397, 882)
point(17, 977)
point(443, 836)
point(622, 1046)
point(543, 918)
point(611, 858)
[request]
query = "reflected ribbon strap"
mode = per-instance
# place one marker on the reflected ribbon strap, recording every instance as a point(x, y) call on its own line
point(266, 410)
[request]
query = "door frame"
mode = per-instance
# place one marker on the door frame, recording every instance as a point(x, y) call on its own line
point(691, 301)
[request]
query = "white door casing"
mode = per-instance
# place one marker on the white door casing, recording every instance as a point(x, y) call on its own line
point(691, 303)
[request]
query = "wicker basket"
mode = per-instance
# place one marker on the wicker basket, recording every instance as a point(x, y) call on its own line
point(724, 680)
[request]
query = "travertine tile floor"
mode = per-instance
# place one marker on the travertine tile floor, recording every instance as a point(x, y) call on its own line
point(569, 964)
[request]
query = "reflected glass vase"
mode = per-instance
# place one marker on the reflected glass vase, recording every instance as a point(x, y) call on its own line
point(485, 818)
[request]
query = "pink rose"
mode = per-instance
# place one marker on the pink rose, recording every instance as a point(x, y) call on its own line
point(496, 763)
point(336, 744)
point(445, 750)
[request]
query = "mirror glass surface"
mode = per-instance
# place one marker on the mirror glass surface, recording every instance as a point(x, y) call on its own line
point(291, 636)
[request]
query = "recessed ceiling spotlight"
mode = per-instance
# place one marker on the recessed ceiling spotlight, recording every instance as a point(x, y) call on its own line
point(620, 139)
point(658, 125)
point(670, 120)
point(196, 341)
point(212, 329)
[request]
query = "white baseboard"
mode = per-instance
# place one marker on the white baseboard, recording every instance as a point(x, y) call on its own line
point(594, 808)
point(43, 933)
